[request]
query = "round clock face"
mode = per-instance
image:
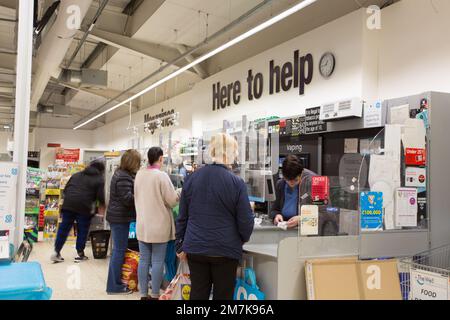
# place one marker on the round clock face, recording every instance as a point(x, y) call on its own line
point(327, 63)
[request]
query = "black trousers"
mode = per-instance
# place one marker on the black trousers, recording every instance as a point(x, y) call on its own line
point(219, 272)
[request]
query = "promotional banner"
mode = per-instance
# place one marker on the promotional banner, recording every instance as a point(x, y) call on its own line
point(68, 155)
point(8, 192)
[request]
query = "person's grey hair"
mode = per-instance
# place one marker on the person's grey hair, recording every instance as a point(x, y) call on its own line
point(223, 148)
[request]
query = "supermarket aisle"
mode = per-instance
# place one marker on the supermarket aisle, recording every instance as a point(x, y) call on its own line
point(62, 277)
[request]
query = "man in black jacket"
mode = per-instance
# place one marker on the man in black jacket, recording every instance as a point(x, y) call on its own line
point(291, 191)
point(81, 193)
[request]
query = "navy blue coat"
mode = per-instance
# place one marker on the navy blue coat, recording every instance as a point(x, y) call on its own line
point(215, 217)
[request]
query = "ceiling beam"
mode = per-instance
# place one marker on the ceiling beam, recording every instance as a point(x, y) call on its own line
point(198, 68)
point(8, 61)
point(108, 20)
point(136, 47)
point(141, 16)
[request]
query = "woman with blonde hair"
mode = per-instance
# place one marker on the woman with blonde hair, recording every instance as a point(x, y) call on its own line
point(121, 211)
point(214, 222)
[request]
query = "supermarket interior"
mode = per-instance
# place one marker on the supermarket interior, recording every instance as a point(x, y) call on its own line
point(224, 150)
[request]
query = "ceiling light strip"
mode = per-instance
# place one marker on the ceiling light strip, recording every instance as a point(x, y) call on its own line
point(208, 55)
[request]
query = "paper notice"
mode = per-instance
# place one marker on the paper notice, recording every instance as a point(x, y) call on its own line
point(406, 207)
point(415, 177)
point(309, 220)
point(373, 115)
point(414, 133)
point(351, 145)
point(398, 115)
point(364, 146)
point(392, 142)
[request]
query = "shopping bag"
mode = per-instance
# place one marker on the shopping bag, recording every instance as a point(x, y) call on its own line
point(246, 287)
point(130, 270)
point(180, 287)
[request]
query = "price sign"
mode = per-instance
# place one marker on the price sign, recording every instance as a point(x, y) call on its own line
point(427, 285)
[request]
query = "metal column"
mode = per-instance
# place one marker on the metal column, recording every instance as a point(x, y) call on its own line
point(22, 109)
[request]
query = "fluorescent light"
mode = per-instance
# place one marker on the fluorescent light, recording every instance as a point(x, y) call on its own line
point(208, 55)
point(6, 126)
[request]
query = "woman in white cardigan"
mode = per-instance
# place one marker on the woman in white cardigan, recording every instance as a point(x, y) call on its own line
point(155, 197)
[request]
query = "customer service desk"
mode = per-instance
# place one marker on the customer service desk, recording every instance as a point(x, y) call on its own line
point(279, 257)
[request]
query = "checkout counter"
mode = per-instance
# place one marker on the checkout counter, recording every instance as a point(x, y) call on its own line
point(342, 150)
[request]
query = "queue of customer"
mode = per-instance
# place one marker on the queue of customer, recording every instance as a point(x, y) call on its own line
point(215, 220)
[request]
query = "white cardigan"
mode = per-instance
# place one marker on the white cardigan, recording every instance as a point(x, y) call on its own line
point(154, 197)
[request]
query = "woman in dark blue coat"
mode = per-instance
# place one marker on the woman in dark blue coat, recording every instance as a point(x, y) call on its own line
point(121, 211)
point(214, 222)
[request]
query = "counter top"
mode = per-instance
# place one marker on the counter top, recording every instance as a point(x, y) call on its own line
point(264, 249)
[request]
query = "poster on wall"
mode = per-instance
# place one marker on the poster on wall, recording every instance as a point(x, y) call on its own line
point(68, 155)
point(371, 206)
point(8, 191)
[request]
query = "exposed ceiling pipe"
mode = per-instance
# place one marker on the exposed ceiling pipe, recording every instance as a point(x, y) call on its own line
point(55, 45)
point(91, 26)
point(183, 56)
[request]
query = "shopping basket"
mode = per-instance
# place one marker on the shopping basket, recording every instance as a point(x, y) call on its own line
point(426, 275)
point(100, 243)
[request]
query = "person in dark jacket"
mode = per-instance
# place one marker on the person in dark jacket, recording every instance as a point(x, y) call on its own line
point(81, 193)
point(214, 222)
point(121, 211)
point(291, 191)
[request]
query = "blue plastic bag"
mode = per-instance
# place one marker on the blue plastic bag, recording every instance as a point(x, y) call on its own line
point(247, 289)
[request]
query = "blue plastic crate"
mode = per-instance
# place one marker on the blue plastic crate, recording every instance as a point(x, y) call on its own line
point(23, 281)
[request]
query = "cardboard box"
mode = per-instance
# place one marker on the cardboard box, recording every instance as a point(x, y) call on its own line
point(350, 279)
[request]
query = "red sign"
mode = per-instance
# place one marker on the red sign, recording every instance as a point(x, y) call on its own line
point(320, 189)
point(68, 155)
point(53, 145)
point(415, 157)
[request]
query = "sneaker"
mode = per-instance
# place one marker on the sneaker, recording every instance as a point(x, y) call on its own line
point(125, 291)
point(56, 257)
point(81, 257)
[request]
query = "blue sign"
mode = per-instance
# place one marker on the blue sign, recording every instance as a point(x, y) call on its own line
point(371, 209)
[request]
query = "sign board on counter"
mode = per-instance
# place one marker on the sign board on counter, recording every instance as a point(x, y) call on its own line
point(320, 189)
point(406, 207)
point(312, 122)
point(8, 192)
point(371, 206)
point(415, 177)
point(309, 220)
point(373, 115)
point(427, 285)
point(415, 157)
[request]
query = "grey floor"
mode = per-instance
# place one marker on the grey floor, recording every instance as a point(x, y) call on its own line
point(75, 281)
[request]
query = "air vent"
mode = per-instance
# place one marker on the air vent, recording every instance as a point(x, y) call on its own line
point(349, 108)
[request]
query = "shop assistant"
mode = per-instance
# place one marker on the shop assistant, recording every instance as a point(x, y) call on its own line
point(291, 191)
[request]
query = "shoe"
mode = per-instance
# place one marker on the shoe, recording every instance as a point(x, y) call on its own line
point(81, 257)
point(56, 257)
point(125, 291)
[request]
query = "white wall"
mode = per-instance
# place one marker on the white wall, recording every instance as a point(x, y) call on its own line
point(414, 54)
point(344, 37)
point(4, 141)
point(116, 136)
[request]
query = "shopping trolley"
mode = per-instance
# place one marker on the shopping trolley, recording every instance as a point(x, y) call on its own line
point(426, 275)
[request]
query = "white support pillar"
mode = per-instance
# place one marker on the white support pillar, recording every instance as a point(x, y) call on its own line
point(22, 110)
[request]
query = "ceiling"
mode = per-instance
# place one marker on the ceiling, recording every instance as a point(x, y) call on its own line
point(134, 38)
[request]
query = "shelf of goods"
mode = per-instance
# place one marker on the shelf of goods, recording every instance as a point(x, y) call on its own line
point(32, 204)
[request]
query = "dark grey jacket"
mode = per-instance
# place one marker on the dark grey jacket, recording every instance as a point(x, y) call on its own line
point(121, 198)
point(82, 191)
